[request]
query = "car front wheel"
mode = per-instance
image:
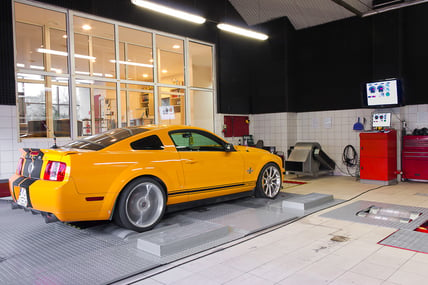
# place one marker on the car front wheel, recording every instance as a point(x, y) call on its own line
point(269, 182)
point(141, 205)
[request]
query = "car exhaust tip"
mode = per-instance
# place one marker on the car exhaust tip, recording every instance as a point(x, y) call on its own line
point(15, 206)
point(49, 217)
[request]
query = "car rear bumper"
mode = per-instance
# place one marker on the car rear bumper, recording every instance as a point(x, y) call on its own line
point(57, 199)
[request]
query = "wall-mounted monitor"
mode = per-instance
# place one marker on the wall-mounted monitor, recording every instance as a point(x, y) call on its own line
point(383, 93)
point(381, 120)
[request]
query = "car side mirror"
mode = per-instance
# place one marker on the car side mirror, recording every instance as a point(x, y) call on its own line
point(228, 147)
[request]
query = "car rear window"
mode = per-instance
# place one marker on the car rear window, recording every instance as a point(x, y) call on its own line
point(100, 141)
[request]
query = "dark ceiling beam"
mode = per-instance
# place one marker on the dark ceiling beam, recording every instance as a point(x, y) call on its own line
point(348, 7)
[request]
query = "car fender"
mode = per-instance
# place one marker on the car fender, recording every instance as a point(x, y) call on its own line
point(170, 177)
point(255, 159)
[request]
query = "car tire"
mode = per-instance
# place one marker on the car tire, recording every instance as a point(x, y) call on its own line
point(141, 205)
point(269, 182)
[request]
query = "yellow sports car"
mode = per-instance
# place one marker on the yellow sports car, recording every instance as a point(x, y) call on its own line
point(133, 175)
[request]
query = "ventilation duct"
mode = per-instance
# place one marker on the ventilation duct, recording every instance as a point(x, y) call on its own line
point(382, 3)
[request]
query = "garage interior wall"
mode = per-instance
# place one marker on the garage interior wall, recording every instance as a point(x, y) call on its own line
point(297, 86)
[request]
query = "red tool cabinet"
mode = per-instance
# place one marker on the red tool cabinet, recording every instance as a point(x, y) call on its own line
point(378, 157)
point(415, 157)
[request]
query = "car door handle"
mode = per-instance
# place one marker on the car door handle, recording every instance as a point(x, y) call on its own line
point(190, 161)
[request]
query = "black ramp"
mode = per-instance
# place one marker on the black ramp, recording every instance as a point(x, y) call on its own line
point(324, 159)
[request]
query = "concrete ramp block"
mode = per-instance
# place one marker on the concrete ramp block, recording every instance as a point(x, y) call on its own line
point(177, 239)
point(308, 201)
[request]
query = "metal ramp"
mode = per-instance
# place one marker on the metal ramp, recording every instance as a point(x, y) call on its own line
point(33, 252)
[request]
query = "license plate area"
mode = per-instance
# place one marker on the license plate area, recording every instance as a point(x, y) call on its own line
point(23, 198)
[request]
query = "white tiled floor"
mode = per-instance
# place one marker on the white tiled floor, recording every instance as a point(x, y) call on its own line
point(303, 252)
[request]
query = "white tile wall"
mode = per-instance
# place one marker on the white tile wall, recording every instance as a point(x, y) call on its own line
point(332, 129)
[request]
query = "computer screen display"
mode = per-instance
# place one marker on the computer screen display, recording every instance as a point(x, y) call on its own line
point(383, 93)
point(381, 120)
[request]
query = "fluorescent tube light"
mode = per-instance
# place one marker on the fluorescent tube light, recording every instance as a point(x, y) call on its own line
point(51, 51)
point(82, 72)
point(63, 53)
point(169, 11)
point(85, 56)
point(57, 70)
point(132, 63)
point(39, 67)
point(242, 32)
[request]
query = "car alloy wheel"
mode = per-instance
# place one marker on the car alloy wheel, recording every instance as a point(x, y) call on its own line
point(144, 204)
point(269, 182)
point(141, 205)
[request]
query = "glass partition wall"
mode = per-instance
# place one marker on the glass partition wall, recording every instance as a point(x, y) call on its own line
point(79, 75)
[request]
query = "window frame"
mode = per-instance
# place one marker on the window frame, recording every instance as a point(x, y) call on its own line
point(73, 78)
point(134, 143)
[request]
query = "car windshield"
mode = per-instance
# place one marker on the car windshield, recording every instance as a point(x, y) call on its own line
point(100, 141)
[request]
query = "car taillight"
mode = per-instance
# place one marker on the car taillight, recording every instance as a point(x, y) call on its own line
point(55, 171)
point(20, 164)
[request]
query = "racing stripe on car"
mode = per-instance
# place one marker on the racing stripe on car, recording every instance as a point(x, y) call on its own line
point(212, 188)
point(25, 184)
point(33, 162)
point(16, 183)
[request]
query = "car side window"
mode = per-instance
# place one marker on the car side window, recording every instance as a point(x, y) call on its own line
point(148, 143)
point(195, 141)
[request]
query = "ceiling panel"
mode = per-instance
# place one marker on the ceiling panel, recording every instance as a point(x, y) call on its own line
point(301, 13)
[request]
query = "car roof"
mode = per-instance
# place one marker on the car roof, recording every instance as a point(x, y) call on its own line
point(168, 127)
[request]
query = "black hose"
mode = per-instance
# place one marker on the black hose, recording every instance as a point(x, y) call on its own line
point(350, 159)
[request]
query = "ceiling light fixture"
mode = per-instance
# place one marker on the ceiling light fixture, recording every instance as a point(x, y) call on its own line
point(63, 53)
point(57, 70)
point(242, 32)
point(39, 67)
point(132, 63)
point(86, 27)
point(169, 11)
